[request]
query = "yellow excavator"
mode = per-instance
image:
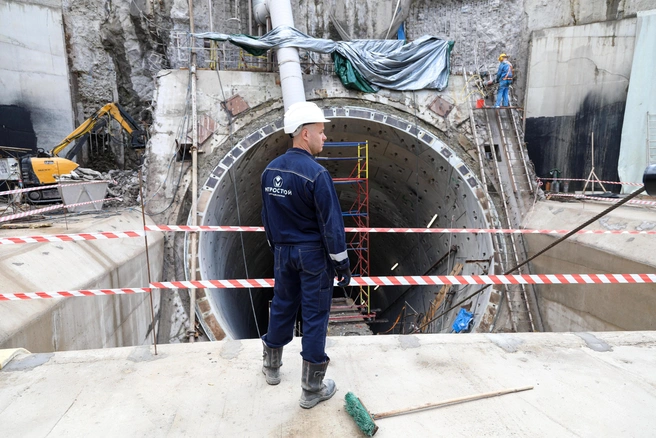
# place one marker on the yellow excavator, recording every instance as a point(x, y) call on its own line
point(43, 168)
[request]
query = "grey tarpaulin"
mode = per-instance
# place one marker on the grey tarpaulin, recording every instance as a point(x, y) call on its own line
point(421, 64)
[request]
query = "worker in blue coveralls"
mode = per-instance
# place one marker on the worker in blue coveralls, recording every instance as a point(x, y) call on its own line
point(504, 78)
point(305, 230)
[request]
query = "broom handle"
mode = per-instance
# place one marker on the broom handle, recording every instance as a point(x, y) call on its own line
point(448, 402)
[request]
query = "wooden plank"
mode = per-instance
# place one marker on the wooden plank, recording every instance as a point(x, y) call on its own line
point(439, 298)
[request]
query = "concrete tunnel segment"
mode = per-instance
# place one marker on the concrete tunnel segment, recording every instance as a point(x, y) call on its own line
point(413, 175)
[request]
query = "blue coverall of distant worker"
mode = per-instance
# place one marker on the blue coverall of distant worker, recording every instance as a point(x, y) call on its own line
point(504, 78)
point(304, 227)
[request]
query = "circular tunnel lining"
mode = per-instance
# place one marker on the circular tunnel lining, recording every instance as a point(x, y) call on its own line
point(413, 176)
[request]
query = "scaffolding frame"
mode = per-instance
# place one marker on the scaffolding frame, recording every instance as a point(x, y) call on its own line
point(358, 213)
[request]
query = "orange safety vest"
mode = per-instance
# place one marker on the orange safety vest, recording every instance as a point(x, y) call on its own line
point(510, 72)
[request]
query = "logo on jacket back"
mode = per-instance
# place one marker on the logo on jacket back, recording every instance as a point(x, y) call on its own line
point(277, 189)
point(277, 181)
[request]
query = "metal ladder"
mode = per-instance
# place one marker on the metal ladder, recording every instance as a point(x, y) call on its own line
point(516, 157)
point(511, 193)
point(512, 179)
point(651, 138)
point(514, 174)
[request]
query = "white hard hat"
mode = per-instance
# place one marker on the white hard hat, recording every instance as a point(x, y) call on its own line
point(302, 113)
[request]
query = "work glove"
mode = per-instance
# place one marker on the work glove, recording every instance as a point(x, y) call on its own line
point(343, 274)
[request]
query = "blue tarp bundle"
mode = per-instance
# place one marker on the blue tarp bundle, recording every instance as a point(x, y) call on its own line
point(462, 321)
point(365, 65)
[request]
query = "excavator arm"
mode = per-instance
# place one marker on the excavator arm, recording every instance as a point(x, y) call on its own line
point(81, 133)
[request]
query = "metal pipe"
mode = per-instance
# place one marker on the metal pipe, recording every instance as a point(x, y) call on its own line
point(209, 4)
point(396, 9)
point(267, 28)
point(505, 145)
point(289, 64)
point(150, 279)
point(194, 180)
point(521, 145)
point(238, 16)
point(260, 11)
point(481, 150)
point(250, 17)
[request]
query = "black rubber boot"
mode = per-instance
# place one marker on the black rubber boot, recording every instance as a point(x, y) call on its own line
point(271, 363)
point(315, 388)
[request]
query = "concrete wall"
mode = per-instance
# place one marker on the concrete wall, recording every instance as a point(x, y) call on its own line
point(34, 72)
point(115, 51)
point(634, 149)
point(481, 30)
point(577, 85)
point(79, 322)
point(594, 307)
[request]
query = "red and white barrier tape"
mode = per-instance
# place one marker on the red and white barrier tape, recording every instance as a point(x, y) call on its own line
point(70, 293)
point(104, 235)
point(398, 230)
point(431, 280)
point(138, 233)
point(597, 198)
point(201, 228)
point(490, 231)
point(49, 208)
point(29, 189)
point(52, 186)
point(591, 181)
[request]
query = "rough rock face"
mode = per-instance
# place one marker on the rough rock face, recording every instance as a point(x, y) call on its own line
point(92, 72)
point(115, 50)
point(357, 19)
point(481, 30)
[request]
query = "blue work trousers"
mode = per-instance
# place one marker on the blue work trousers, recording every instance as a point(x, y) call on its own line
point(303, 277)
point(502, 93)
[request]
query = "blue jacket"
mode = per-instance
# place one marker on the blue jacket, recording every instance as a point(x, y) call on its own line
point(300, 205)
point(505, 71)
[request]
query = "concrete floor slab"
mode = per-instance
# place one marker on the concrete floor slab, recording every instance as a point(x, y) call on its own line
point(586, 384)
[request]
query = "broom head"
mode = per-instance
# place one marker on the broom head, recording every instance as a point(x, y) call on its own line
point(362, 418)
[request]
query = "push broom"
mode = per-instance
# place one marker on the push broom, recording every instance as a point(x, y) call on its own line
point(366, 421)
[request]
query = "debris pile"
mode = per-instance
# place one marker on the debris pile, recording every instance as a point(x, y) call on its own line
point(82, 174)
point(123, 184)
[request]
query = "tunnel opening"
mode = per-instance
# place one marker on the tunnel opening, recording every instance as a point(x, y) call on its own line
point(414, 180)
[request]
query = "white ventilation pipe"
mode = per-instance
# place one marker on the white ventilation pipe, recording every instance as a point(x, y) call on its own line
point(289, 64)
point(260, 11)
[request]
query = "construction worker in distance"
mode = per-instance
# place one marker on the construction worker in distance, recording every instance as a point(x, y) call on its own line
point(303, 221)
point(504, 78)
